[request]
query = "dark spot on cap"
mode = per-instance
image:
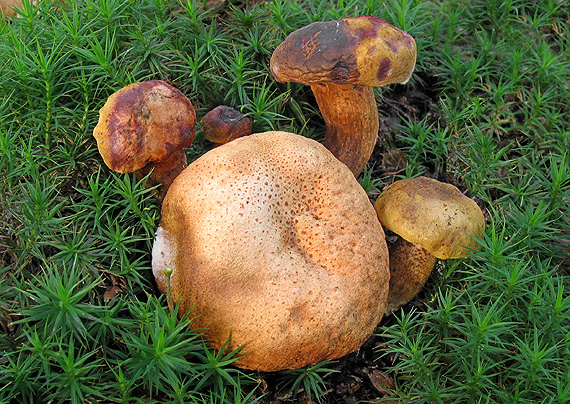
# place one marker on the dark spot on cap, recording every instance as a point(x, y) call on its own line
point(384, 69)
point(401, 40)
point(394, 45)
point(340, 73)
point(369, 31)
point(230, 115)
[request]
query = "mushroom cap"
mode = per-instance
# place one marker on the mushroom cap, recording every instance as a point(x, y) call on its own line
point(362, 50)
point(224, 124)
point(144, 123)
point(272, 241)
point(433, 214)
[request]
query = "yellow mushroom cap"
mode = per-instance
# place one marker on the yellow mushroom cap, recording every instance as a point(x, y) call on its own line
point(272, 240)
point(433, 214)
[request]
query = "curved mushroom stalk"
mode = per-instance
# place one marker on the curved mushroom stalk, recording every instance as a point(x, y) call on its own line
point(348, 109)
point(163, 173)
point(410, 267)
point(341, 60)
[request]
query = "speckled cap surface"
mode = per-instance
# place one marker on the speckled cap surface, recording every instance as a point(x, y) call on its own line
point(433, 214)
point(272, 239)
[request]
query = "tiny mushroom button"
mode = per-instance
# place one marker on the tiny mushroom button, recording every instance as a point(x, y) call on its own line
point(224, 124)
point(434, 221)
point(342, 60)
point(145, 127)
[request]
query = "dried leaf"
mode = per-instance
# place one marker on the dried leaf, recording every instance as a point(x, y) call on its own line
point(380, 380)
point(111, 293)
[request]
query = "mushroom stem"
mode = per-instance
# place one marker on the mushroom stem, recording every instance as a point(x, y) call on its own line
point(410, 267)
point(163, 173)
point(351, 117)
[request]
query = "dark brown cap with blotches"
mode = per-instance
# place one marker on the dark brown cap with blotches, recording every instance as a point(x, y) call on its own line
point(361, 50)
point(144, 123)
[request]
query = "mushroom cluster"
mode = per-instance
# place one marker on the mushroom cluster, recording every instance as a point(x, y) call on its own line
point(269, 238)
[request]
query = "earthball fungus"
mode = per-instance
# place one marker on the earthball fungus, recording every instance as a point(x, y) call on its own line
point(145, 127)
point(434, 220)
point(272, 242)
point(342, 60)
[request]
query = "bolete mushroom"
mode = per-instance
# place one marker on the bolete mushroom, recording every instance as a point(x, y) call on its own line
point(272, 242)
point(224, 124)
point(145, 127)
point(342, 60)
point(433, 220)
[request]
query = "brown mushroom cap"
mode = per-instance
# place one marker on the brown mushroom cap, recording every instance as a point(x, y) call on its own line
point(272, 240)
point(224, 124)
point(361, 50)
point(144, 123)
point(433, 214)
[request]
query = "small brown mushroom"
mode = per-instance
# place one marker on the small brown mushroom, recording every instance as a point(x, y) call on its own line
point(145, 127)
point(224, 124)
point(434, 220)
point(342, 60)
point(272, 241)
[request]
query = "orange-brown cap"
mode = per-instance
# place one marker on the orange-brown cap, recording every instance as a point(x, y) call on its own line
point(362, 50)
point(144, 123)
point(433, 214)
point(272, 241)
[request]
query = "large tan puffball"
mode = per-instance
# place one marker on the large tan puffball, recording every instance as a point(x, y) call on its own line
point(272, 241)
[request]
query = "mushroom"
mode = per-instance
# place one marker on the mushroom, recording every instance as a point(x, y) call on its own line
point(342, 61)
point(224, 124)
point(272, 242)
point(145, 127)
point(434, 220)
